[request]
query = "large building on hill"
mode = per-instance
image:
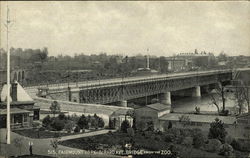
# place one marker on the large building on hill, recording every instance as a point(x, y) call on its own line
point(22, 107)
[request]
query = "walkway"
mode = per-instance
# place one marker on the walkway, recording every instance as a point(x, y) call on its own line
point(89, 134)
point(43, 147)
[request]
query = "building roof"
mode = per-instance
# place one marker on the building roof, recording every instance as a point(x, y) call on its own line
point(13, 111)
point(158, 107)
point(22, 95)
point(119, 112)
point(199, 118)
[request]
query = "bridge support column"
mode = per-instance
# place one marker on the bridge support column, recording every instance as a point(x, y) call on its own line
point(197, 91)
point(124, 103)
point(166, 98)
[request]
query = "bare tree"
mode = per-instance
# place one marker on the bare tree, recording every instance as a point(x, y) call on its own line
point(241, 95)
point(220, 91)
point(55, 107)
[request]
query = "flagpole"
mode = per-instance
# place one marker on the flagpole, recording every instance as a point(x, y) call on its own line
point(8, 79)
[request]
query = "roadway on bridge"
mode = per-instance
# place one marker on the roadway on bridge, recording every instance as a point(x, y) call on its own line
point(33, 90)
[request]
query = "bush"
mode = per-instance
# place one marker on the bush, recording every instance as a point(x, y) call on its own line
point(47, 121)
point(188, 141)
point(62, 116)
point(77, 129)
point(124, 126)
point(35, 124)
point(57, 125)
point(241, 145)
point(217, 130)
point(69, 126)
point(83, 122)
point(228, 139)
point(111, 123)
point(198, 140)
point(42, 129)
point(100, 122)
point(226, 149)
point(131, 132)
point(213, 145)
point(169, 138)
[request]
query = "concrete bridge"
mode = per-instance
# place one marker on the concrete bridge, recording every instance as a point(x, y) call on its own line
point(123, 89)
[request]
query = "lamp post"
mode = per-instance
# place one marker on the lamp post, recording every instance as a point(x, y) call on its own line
point(8, 78)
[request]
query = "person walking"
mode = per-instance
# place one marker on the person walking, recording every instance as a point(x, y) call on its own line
point(30, 147)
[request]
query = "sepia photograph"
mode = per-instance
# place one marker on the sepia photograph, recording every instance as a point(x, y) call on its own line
point(125, 79)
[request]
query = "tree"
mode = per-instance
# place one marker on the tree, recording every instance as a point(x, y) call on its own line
point(55, 107)
point(222, 56)
point(219, 91)
point(111, 123)
point(124, 126)
point(241, 96)
point(58, 124)
point(217, 130)
point(83, 122)
point(47, 121)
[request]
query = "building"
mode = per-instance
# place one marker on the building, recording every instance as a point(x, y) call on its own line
point(22, 109)
point(151, 113)
point(119, 116)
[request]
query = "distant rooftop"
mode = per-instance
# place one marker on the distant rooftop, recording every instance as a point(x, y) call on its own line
point(158, 106)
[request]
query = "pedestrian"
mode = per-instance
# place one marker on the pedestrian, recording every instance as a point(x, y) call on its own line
point(30, 149)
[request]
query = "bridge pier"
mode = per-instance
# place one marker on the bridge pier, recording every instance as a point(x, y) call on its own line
point(165, 98)
point(123, 103)
point(197, 91)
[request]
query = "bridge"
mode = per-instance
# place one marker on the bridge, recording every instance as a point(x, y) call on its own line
point(120, 90)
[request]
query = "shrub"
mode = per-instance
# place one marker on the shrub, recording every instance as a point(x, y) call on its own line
point(111, 123)
point(131, 132)
point(228, 139)
point(226, 149)
point(141, 125)
point(188, 141)
point(100, 122)
point(35, 124)
point(124, 126)
point(217, 130)
point(213, 145)
point(150, 126)
point(47, 121)
point(241, 145)
point(42, 129)
point(69, 126)
point(169, 138)
point(198, 140)
point(57, 124)
point(62, 116)
point(77, 129)
point(83, 122)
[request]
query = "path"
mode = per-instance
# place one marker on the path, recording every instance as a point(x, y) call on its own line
point(89, 134)
point(42, 146)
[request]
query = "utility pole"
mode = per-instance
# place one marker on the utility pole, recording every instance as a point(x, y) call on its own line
point(8, 77)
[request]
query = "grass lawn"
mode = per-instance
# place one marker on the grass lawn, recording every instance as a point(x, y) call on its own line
point(33, 133)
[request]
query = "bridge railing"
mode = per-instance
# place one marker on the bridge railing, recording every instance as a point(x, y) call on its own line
point(121, 81)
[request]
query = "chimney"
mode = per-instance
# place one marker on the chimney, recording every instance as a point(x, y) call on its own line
point(14, 91)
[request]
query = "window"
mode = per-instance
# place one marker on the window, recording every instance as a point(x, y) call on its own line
point(25, 118)
point(18, 118)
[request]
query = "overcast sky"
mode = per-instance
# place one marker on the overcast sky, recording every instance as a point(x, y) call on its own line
point(129, 27)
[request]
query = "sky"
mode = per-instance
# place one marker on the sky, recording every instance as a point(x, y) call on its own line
point(128, 28)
